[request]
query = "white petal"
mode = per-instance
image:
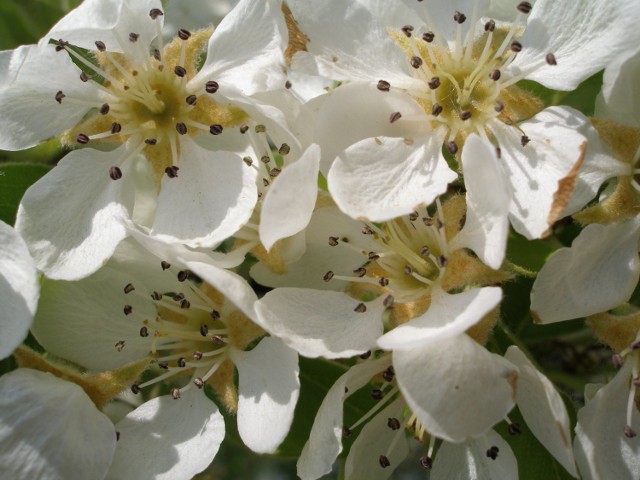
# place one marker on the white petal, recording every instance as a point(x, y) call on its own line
point(325, 439)
point(74, 217)
point(168, 439)
point(488, 197)
point(19, 290)
point(289, 203)
point(268, 388)
point(581, 47)
point(246, 50)
point(49, 428)
point(599, 272)
point(210, 199)
point(543, 410)
point(601, 448)
point(456, 388)
point(30, 112)
point(110, 21)
point(554, 153)
point(447, 316)
point(469, 460)
point(320, 323)
point(620, 96)
point(375, 439)
point(382, 178)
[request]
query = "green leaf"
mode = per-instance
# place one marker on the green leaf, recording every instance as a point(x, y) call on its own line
point(15, 178)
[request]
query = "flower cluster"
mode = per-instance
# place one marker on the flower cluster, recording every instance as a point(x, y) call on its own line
point(364, 184)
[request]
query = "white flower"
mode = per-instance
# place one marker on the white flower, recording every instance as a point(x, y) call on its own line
point(49, 428)
point(423, 75)
point(19, 290)
point(146, 99)
point(189, 317)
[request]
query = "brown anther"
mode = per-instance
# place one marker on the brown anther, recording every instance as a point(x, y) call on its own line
point(384, 461)
point(101, 46)
point(373, 256)
point(59, 96)
point(363, 356)
point(157, 296)
point(452, 147)
point(133, 37)
point(197, 355)
point(115, 173)
point(104, 109)
point(211, 86)
point(629, 432)
point(274, 172)
point(383, 281)
point(150, 141)
point(287, 84)
point(120, 345)
point(127, 309)
point(408, 270)
point(426, 462)
point(155, 13)
point(215, 314)
point(360, 272)
point(183, 275)
point(177, 297)
point(434, 83)
point(260, 128)
point(165, 265)
point(424, 251)
point(215, 129)
point(172, 171)
point(428, 37)
point(514, 429)
point(181, 128)
point(495, 75)
point(328, 276)
point(247, 160)
point(184, 34)
point(490, 26)
point(179, 71)
point(84, 77)
point(333, 241)
point(163, 365)
point(115, 128)
point(524, 140)
point(383, 86)
point(284, 149)
point(393, 423)
point(360, 308)
point(416, 62)
point(128, 288)
point(551, 59)
point(185, 304)
point(376, 394)
point(175, 393)
point(82, 138)
point(217, 339)
point(442, 261)
point(244, 129)
point(346, 432)
point(144, 332)
point(157, 55)
point(135, 388)
point(499, 106)
point(436, 109)
point(191, 99)
point(389, 373)
point(524, 7)
point(204, 330)
point(516, 46)
point(492, 453)
point(182, 362)
point(198, 382)
point(394, 117)
point(459, 17)
point(465, 115)
point(61, 45)
point(407, 30)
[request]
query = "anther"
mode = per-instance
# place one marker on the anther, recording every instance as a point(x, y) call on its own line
point(165, 265)
point(150, 141)
point(183, 275)
point(516, 46)
point(426, 462)
point(424, 251)
point(197, 355)
point(84, 77)
point(388, 301)
point(144, 332)
point(244, 129)
point(383, 86)
point(459, 17)
point(434, 83)
point(120, 345)
point(198, 382)
point(215, 314)
point(389, 373)
point(217, 339)
point(465, 115)
point(367, 230)
point(182, 362)
point(265, 182)
point(163, 365)
point(133, 37)
point(127, 309)
point(211, 86)
point(59, 96)
point(394, 117)
point(452, 147)
point(184, 304)
point(260, 128)
point(617, 360)
point(393, 423)
point(274, 172)
point(629, 432)
point(360, 272)
point(117, 436)
point(157, 296)
point(179, 71)
point(384, 461)
point(373, 256)
point(346, 432)
point(175, 393)
point(524, 7)
point(407, 29)
point(495, 75)
point(82, 138)
point(360, 308)
point(178, 297)
point(101, 46)
point(492, 453)
point(499, 106)
point(184, 34)
point(60, 45)
point(284, 149)
point(191, 99)
point(115, 128)
point(428, 37)
point(551, 59)
point(408, 270)
point(328, 276)
point(287, 84)
point(442, 261)
point(115, 173)
point(129, 288)
point(181, 128)
point(204, 330)
point(416, 62)
point(215, 129)
point(514, 429)
point(172, 171)
point(365, 355)
point(135, 388)
point(155, 13)
point(383, 281)
point(156, 54)
point(376, 394)
point(436, 109)
point(333, 241)
point(490, 26)
point(524, 140)
point(104, 109)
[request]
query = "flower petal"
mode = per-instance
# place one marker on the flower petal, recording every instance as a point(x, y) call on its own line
point(319, 323)
point(469, 460)
point(210, 199)
point(50, 428)
point(382, 178)
point(543, 410)
point(268, 388)
point(447, 316)
point(19, 290)
point(601, 448)
point(463, 391)
point(599, 272)
point(325, 440)
point(167, 439)
point(73, 218)
point(620, 96)
point(289, 203)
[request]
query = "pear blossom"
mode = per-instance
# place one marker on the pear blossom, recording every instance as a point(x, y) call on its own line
point(194, 322)
point(19, 290)
point(49, 428)
point(423, 76)
point(166, 129)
